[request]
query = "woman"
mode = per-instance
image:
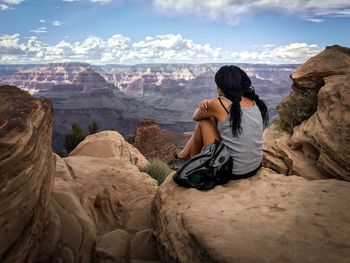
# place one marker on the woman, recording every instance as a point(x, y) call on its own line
point(236, 117)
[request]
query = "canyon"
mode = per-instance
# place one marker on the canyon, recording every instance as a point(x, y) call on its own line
point(119, 97)
point(96, 206)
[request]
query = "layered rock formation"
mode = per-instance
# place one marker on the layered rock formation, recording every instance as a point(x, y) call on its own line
point(27, 168)
point(93, 206)
point(267, 218)
point(151, 143)
point(318, 147)
point(101, 204)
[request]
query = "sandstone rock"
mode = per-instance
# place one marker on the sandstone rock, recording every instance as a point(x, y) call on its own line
point(334, 60)
point(267, 218)
point(26, 173)
point(143, 246)
point(281, 158)
point(109, 144)
point(112, 247)
point(318, 148)
point(325, 136)
point(151, 143)
point(101, 197)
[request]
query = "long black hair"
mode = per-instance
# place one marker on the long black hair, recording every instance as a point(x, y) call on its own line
point(235, 83)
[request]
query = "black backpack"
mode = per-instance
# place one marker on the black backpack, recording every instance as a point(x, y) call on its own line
point(211, 167)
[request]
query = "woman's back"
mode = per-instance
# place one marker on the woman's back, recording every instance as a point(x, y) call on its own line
point(246, 150)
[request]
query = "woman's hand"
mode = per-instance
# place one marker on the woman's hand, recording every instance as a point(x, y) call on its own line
point(203, 106)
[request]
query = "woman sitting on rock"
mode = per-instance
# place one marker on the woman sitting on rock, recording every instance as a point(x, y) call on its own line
point(236, 117)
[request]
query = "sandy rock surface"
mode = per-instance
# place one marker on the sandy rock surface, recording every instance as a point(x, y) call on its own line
point(319, 147)
point(27, 168)
point(108, 144)
point(325, 136)
point(103, 202)
point(267, 218)
point(334, 60)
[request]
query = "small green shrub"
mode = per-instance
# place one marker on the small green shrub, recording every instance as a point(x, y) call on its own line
point(73, 138)
point(93, 127)
point(130, 139)
point(296, 108)
point(157, 169)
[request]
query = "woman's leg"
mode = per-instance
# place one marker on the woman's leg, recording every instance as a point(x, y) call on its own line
point(205, 133)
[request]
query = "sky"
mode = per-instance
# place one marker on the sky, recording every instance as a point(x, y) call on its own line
point(170, 31)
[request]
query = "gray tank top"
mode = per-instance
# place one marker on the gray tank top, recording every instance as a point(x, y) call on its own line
point(246, 150)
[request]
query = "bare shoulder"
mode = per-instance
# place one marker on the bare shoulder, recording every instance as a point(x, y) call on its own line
point(217, 109)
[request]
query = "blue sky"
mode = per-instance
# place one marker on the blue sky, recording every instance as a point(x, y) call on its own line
point(191, 31)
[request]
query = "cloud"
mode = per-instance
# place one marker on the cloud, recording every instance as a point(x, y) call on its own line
point(233, 11)
point(39, 30)
point(171, 48)
point(42, 21)
point(167, 48)
point(6, 4)
point(292, 53)
point(4, 7)
point(12, 2)
point(315, 20)
point(56, 23)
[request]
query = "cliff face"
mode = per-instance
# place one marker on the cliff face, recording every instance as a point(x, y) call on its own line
point(318, 147)
point(27, 168)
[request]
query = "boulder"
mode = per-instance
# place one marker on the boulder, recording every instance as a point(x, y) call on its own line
point(325, 136)
point(334, 60)
point(267, 218)
point(318, 147)
point(109, 144)
point(279, 156)
point(102, 201)
point(27, 168)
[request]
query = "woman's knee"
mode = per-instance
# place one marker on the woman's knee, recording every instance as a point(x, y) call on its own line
point(208, 121)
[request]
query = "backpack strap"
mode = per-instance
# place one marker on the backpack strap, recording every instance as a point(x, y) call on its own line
point(223, 105)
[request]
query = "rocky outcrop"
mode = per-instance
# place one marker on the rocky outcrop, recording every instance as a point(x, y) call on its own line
point(267, 218)
point(151, 143)
point(318, 147)
point(27, 168)
point(109, 144)
point(334, 60)
point(325, 136)
point(93, 206)
point(102, 204)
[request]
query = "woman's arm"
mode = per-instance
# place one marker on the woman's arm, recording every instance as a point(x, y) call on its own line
point(206, 109)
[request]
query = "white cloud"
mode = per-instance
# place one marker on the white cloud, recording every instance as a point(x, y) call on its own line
point(12, 2)
point(315, 20)
point(6, 4)
point(56, 23)
point(161, 48)
point(42, 21)
point(292, 53)
point(4, 7)
point(171, 48)
point(233, 11)
point(39, 30)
